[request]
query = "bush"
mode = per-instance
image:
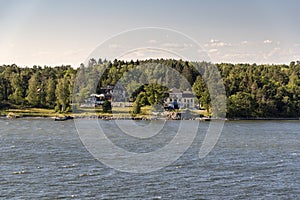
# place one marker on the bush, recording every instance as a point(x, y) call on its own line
point(106, 107)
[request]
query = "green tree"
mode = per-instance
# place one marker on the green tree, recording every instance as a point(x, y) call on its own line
point(240, 105)
point(136, 108)
point(155, 93)
point(50, 93)
point(33, 91)
point(17, 95)
point(106, 107)
point(201, 92)
point(1, 87)
point(62, 95)
point(43, 93)
point(142, 98)
point(6, 83)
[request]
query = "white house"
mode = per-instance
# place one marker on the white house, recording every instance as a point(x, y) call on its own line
point(180, 99)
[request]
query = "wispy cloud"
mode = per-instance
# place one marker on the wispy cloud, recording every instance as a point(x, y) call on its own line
point(143, 54)
point(267, 41)
point(152, 41)
point(176, 46)
point(217, 43)
point(271, 53)
point(213, 50)
point(239, 57)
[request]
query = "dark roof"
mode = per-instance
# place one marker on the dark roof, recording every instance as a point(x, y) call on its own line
point(174, 90)
point(108, 87)
point(188, 95)
point(185, 94)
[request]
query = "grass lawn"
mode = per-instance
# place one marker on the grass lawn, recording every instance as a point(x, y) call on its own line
point(117, 112)
point(30, 112)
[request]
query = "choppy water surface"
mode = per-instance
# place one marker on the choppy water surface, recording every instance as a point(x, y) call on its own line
point(43, 159)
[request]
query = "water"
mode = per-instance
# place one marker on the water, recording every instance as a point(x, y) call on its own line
point(43, 159)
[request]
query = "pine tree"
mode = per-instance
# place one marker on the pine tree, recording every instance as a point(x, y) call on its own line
point(201, 92)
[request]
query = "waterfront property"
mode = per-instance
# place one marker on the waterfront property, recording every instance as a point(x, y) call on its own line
point(116, 94)
point(94, 100)
point(180, 99)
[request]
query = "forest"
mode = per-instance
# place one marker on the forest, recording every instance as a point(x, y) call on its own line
point(252, 90)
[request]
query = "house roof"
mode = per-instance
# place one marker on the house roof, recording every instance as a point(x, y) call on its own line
point(188, 95)
point(108, 87)
point(185, 94)
point(174, 90)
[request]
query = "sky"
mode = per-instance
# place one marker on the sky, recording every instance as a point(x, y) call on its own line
point(56, 32)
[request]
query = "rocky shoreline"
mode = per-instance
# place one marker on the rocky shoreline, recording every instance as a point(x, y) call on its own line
point(170, 116)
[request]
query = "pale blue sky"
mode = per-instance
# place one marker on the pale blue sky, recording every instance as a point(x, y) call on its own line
point(54, 32)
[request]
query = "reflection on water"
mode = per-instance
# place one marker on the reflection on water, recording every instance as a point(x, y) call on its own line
point(253, 159)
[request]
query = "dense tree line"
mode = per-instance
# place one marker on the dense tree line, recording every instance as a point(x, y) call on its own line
point(262, 90)
point(47, 87)
point(251, 90)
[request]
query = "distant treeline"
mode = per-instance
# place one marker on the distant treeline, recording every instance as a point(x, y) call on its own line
point(252, 90)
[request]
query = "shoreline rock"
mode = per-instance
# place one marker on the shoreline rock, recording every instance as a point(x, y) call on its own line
point(169, 116)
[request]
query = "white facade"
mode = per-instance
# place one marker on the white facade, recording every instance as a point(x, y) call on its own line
point(184, 99)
